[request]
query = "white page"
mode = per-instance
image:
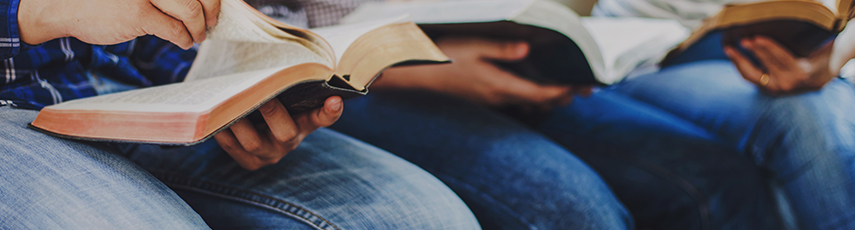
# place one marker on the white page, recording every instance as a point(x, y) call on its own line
point(440, 12)
point(340, 37)
point(627, 42)
point(217, 58)
point(831, 4)
point(196, 96)
point(234, 24)
point(539, 13)
point(552, 15)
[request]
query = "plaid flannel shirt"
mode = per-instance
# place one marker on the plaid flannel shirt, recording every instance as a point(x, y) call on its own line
point(66, 68)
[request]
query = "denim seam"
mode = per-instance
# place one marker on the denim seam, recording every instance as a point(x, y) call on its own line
point(248, 197)
point(504, 207)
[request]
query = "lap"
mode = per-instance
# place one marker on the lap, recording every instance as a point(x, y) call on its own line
point(330, 181)
point(805, 141)
point(510, 176)
point(50, 183)
point(670, 173)
point(713, 95)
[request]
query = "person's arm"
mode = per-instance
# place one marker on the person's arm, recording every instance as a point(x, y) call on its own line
point(783, 73)
point(473, 76)
point(105, 22)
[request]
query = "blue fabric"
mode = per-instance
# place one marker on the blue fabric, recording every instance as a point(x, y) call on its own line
point(510, 176)
point(707, 48)
point(669, 173)
point(59, 70)
point(329, 182)
point(805, 142)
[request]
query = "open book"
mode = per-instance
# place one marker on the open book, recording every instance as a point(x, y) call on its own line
point(565, 48)
point(247, 60)
point(801, 26)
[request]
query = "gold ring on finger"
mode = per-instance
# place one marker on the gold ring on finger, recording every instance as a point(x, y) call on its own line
point(764, 79)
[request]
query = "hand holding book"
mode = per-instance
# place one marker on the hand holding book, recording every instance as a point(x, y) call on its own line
point(779, 70)
point(474, 75)
point(257, 145)
point(247, 60)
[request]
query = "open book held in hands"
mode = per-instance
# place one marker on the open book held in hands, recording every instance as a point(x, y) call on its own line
point(564, 48)
point(247, 60)
point(801, 26)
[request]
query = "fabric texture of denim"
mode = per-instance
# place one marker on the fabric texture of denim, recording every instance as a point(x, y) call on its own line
point(510, 176)
point(514, 177)
point(329, 182)
point(805, 142)
point(669, 173)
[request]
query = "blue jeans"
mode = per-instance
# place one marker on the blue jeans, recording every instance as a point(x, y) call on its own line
point(329, 182)
point(669, 173)
point(516, 177)
point(805, 142)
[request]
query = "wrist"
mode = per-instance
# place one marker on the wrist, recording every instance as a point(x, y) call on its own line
point(36, 28)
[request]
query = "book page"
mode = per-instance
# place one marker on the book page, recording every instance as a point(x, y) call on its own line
point(218, 58)
point(240, 22)
point(627, 42)
point(831, 4)
point(235, 24)
point(440, 12)
point(195, 96)
point(340, 37)
point(557, 17)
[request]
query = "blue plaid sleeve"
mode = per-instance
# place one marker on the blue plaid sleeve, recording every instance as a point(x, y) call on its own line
point(161, 62)
point(10, 38)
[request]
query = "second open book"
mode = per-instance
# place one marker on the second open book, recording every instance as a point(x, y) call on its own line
point(247, 59)
point(565, 48)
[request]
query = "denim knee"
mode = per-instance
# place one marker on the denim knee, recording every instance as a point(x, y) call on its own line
point(51, 183)
point(806, 141)
point(793, 132)
point(330, 181)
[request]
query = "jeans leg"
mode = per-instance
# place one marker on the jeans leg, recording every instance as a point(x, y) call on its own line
point(670, 173)
point(330, 181)
point(51, 183)
point(510, 176)
point(806, 141)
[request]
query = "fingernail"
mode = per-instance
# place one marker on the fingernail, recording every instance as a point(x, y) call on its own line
point(334, 105)
point(213, 22)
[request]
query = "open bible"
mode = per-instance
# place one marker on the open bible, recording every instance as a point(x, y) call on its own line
point(247, 60)
point(801, 26)
point(564, 48)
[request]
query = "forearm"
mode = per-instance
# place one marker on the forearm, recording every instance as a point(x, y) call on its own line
point(38, 21)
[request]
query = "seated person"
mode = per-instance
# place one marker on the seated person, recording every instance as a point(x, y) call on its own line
point(669, 173)
point(326, 181)
point(792, 117)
